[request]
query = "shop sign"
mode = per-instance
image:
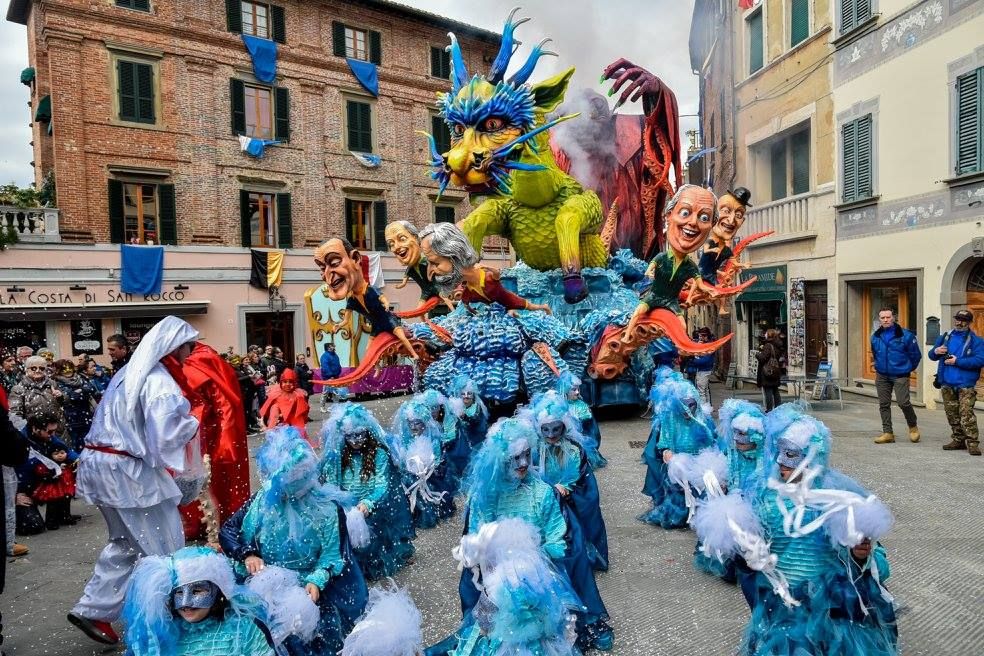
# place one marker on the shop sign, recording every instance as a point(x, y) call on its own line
point(87, 337)
point(770, 278)
point(46, 296)
point(135, 329)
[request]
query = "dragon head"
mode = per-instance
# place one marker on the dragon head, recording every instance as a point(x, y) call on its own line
point(495, 122)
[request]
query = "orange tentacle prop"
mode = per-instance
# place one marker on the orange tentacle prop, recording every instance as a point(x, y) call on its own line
point(381, 346)
point(420, 310)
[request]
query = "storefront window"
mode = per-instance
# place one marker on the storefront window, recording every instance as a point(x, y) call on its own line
point(899, 295)
point(22, 333)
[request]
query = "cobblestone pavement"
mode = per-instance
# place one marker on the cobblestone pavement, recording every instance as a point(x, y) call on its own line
point(658, 603)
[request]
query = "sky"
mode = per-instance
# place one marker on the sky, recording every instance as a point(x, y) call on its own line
point(587, 34)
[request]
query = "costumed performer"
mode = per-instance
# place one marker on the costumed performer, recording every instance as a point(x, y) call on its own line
point(444, 416)
point(679, 426)
point(472, 420)
point(286, 404)
point(569, 387)
point(355, 459)
point(223, 435)
point(689, 216)
point(295, 522)
point(142, 428)
point(500, 484)
point(562, 461)
point(390, 626)
point(452, 264)
point(525, 605)
point(339, 263)
point(427, 480)
point(403, 241)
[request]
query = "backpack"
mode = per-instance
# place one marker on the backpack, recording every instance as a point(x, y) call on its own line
point(772, 367)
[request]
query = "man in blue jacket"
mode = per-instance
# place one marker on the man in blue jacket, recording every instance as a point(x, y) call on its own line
point(896, 355)
point(960, 354)
point(331, 367)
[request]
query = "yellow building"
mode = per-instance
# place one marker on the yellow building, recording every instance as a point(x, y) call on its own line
point(908, 95)
point(767, 111)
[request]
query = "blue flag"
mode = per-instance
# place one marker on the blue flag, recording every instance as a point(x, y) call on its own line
point(141, 269)
point(255, 147)
point(264, 55)
point(365, 73)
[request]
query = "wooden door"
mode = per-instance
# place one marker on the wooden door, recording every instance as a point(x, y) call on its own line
point(975, 303)
point(273, 328)
point(816, 324)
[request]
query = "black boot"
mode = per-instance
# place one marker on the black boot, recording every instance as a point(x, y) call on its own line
point(67, 518)
point(52, 516)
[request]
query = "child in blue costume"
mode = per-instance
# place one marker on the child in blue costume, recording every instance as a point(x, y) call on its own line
point(446, 419)
point(427, 480)
point(569, 387)
point(295, 522)
point(679, 425)
point(526, 606)
point(355, 459)
point(188, 604)
point(500, 484)
point(472, 418)
point(835, 615)
point(561, 461)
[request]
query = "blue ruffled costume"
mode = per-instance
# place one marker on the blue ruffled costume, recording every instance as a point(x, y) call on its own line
point(427, 510)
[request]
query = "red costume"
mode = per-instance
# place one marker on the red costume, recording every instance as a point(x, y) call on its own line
point(286, 404)
point(218, 408)
point(490, 290)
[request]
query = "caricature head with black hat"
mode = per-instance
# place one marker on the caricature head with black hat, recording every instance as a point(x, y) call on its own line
point(731, 211)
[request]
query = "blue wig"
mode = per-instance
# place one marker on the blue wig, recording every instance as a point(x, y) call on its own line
point(489, 471)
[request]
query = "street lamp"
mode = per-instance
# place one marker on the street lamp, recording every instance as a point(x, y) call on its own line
point(276, 302)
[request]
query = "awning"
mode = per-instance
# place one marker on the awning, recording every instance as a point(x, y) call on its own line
point(43, 112)
point(27, 76)
point(66, 311)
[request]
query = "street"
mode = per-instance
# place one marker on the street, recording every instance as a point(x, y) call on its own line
point(658, 603)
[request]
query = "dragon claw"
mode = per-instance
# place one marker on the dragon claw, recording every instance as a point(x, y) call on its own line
point(575, 290)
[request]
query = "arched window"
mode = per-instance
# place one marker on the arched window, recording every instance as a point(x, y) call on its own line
point(976, 281)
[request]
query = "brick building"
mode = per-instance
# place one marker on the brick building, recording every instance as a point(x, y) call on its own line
point(138, 109)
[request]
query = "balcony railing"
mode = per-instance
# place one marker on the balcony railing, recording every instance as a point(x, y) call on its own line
point(33, 225)
point(792, 216)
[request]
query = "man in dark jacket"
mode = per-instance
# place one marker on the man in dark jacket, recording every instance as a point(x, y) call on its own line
point(960, 354)
point(13, 452)
point(896, 355)
point(331, 367)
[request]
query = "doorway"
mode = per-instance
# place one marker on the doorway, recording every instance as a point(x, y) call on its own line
point(816, 324)
point(273, 328)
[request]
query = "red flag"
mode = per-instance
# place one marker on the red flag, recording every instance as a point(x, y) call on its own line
point(746, 4)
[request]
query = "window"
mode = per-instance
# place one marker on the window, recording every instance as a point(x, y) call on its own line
point(258, 19)
point(135, 91)
point(442, 134)
point(259, 111)
point(443, 214)
point(970, 122)
point(141, 213)
point(440, 63)
point(853, 14)
point(359, 126)
point(756, 42)
point(856, 139)
point(265, 219)
point(799, 21)
point(140, 5)
point(788, 164)
point(356, 43)
point(365, 224)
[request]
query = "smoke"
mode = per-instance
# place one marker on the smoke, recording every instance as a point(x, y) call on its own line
point(589, 139)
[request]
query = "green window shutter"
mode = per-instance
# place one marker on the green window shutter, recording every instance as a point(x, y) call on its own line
point(285, 225)
point(349, 221)
point(244, 228)
point(142, 5)
point(777, 157)
point(970, 122)
point(281, 114)
point(365, 120)
point(116, 230)
point(237, 99)
point(167, 214)
point(279, 31)
point(359, 117)
point(848, 10)
point(865, 155)
point(799, 21)
point(435, 61)
point(863, 11)
point(145, 93)
point(443, 214)
point(799, 145)
point(126, 86)
point(234, 16)
point(756, 54)
point(442, 134)
point(375, 47)
point(338, 38)
point(379, 225)
point(849, 137)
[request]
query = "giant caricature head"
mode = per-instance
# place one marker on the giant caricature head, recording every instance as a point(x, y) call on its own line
point(339, 262)
point(731, 213)
point(403, 241)
point(448, 253)
point(492, 120)
point(689, 217)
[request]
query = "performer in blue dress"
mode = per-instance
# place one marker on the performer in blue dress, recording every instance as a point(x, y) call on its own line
point(472, 419)
point(355, 459)
point(561, 460)
point(569, 387)
point(294, 521)
point(417, 441)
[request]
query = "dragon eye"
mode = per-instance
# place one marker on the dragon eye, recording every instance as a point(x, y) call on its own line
point(493, 124)
point(459, 129)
